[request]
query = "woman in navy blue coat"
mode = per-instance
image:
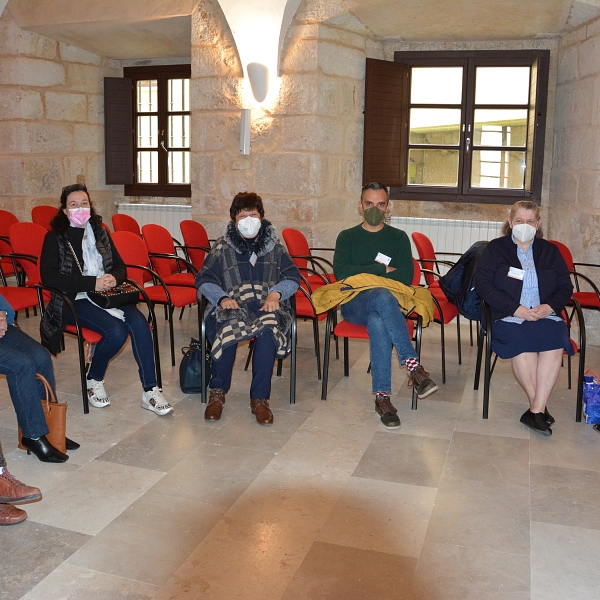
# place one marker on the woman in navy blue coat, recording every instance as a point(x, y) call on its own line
point(527, 285)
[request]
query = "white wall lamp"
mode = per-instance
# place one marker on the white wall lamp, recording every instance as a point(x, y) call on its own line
point(245, 132)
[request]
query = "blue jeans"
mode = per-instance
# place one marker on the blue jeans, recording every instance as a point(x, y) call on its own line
point(378, 309)
point(114, 334)
point(263, 359)
point(21, 357)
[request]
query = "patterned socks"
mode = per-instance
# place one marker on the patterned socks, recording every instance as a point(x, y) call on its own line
point(411, 364)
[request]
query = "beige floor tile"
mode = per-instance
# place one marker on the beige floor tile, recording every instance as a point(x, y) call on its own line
point(410, 459)
point(75, 583)
point(490, 458)
point(150, 539)
point(565, 562)
point(331, 572)
point(89, 499)
point(433, 418)
point(159, 445)
point(565, 496)
point(380, 515)
point(481, 515)
point(450, 572)
point(214, 474)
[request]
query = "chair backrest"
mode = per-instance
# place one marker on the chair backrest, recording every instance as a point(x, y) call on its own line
point(42, 215)
point(416, 280)
point(194, 234)
point(126, 223)
point(6, 220)
point(565, 253)
point(426, 252)
point(158, 239)
point(106, 227)
point(28, 238)
point(297, 245)
point(133, 251)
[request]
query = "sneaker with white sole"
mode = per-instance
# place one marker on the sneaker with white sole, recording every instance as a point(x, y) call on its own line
point(154, 400)
point(97, 394)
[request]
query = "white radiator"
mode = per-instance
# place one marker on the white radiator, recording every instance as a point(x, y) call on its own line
point(448, 235)
point(167, 215)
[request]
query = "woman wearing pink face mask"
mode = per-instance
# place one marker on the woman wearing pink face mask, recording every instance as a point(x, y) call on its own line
point(78, 256)
point(527, 285)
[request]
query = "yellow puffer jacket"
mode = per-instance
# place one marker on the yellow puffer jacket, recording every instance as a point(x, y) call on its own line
point(417, 299)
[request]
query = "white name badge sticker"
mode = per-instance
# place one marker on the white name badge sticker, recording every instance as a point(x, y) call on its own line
point(253, 258)
point(516, 273)
point(383, 259)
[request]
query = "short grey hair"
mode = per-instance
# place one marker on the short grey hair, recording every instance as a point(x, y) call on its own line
point(375, 185)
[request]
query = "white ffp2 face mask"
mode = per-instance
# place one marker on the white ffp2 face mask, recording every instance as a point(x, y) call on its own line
point(249, 226)
point(524, 232)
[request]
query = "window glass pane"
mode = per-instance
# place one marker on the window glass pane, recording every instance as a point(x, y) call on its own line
point(437, 126)
point(179, 127)
point(498, 169)
point(179, 167)
point(433, 167)
point(179, 95)
point(436, 85)
point(500, 127)
point(502, 85)
point(147, 96)
point(147, 132)
point(147, 167)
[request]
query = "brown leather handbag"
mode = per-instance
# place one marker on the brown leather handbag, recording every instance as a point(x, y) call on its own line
point(56, 419)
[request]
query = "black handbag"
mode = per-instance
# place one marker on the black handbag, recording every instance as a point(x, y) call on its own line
point(190, 368)
point(124, 293)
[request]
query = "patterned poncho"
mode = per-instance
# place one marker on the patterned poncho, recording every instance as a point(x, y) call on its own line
point(229, 265)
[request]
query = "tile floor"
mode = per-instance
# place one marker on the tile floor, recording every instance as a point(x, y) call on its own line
point(324, 504)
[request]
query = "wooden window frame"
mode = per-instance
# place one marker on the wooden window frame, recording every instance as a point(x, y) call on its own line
point(162, 73)
point(537, 59)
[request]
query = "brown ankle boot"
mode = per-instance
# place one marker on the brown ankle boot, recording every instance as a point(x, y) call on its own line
point(12, 491)
point(214, 408)
point(260, 408)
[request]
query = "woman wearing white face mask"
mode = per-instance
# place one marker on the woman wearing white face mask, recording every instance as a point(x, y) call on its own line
point(78, 256)
point(247, 277)
point(526, 283)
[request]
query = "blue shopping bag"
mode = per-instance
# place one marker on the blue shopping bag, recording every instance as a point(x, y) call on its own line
point(591, 397)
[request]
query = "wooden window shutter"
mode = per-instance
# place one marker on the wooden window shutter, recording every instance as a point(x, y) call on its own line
point(118, 130)
point(385, 122)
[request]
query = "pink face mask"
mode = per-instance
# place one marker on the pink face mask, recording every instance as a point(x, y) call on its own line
point(79, 216)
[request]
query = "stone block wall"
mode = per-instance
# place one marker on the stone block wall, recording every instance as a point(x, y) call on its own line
point(51, 120)
point(306, 150)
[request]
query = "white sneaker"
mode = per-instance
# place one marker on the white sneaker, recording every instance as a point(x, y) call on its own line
point(154, 400)
point(97, 394)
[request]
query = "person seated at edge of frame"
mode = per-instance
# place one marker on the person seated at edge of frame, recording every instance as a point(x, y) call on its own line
point(248, 278)
point(527, 285)
point(376, 248)
point(78, 256)
point(13, 491)
point(21, 357)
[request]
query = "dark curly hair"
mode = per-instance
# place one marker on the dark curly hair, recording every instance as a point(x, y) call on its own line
point(60, 221)
point(246, 201)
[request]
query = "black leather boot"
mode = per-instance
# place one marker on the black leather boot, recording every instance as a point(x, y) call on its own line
point(44, 450)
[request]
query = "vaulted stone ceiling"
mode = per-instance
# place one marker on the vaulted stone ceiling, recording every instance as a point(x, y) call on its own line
point(134, 29)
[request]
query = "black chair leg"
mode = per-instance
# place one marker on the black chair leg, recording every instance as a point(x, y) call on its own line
point(480, 335)
point(317, 346)
point(171, 311)
point(458, 338)
point(279, 367)
point(346, 359)
point(181, 313)
point(294, 342)
point(250, 352)
point(328, 329)
point(443, 352)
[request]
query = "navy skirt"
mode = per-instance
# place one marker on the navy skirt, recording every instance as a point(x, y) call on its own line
point(511, 339)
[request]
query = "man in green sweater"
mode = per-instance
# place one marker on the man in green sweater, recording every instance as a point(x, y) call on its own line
point(376, 248)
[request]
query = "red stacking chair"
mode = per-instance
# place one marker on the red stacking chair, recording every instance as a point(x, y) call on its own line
point(106, 227)
point(163, 258)
point(196, 242)
point(26, 240)
point(346, 330)
point(429, 260)
point(134, 253)
point(126, 223)
point(42, 215)
point(301, 254)
point(588, 299)
point(6, 265)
